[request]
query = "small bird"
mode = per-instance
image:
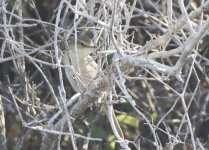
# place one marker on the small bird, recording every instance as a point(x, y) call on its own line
point(83, 70)
point(82, 74)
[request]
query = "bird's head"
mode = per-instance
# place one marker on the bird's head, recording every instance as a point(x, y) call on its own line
point(83, 45)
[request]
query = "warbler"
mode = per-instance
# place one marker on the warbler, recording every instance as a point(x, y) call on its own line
point(83, 70)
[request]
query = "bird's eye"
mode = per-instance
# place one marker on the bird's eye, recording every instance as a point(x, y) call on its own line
point(82, 44)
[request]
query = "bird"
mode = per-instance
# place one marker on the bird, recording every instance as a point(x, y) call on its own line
point(83, 70)
point(83, 73)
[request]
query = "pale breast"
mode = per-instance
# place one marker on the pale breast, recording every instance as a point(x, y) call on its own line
point(82, 74)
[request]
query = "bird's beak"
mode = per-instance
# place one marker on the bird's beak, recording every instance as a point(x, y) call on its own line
point(92, 44)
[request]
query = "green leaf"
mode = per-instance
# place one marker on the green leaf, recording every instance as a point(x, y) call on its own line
point(111, 139)
point(154, 116)
point(128, 120)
